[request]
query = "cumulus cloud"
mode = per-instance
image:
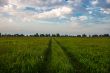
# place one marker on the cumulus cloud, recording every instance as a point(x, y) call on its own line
point(72, 13)
point(26, 16)
point(48, 2)
point(106, 10)
point(94, 2)
point(54, 12)
point(41, 2)
point(42, 9)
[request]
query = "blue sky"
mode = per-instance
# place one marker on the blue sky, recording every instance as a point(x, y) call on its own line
point(55, 16)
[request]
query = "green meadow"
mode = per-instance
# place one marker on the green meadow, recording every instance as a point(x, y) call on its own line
point(54, 55)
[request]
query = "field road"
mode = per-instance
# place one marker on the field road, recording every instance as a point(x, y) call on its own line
point(79, 67)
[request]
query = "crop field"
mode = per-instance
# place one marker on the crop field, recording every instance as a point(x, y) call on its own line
point(54, 55)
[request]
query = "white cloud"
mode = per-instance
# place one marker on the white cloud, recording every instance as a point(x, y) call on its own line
point(16, 8)
point(108, 1)
point(90, 12)
point(94, 2)
point(54, 13)
point(78, 19)
point(83, 18)
point(41, 2)
point(16, 3)
point(73, 18)
point(12, 1)
point(10, 20)
point(73, 1)
point(8, 8)
point(106, 10)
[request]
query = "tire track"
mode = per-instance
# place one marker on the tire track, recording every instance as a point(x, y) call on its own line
point(47, 59)
point(79, 67)
point(59, 61)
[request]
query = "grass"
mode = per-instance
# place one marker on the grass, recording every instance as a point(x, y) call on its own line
point(94, 53)
point(25, 55)
point(59, 62)
point(54, 55)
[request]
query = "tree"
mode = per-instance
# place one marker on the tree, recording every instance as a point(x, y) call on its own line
point(47, 35)
point(65, 35)
point(36, 35)
point(53, 35)
point(106, 35)
point(101, 35)
point(57, 35)
point(21, 35)
point(42, 35)
point(90, 36)
point(78, 35)
point(84, 35)
point(0, 35)
point(95, 35)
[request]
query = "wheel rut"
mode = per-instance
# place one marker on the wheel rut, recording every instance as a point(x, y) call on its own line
point(47, 59)
point(78, 66)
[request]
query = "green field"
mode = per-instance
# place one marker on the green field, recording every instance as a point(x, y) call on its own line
point(54, 55)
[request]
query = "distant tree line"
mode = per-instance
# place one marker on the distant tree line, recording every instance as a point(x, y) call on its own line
point(51, 35)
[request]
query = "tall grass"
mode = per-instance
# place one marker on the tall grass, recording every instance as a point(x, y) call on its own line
point(59, 55)
point(24, 55)
point(92, 52)
point(59, 62)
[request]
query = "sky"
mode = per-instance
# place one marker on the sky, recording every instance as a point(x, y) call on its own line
point(55, 16)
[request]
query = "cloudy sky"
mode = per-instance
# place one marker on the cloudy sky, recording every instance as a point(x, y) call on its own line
point(55, 16)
